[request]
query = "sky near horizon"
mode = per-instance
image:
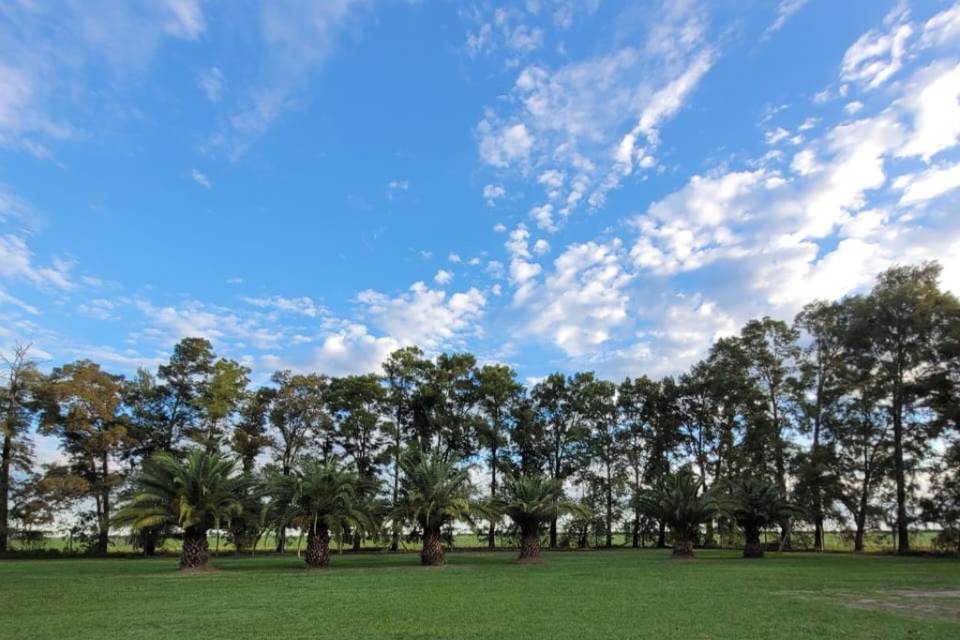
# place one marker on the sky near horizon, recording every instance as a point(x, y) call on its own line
point(554, 185)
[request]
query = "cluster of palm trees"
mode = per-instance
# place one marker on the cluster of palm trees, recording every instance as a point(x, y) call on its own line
point(327, 501)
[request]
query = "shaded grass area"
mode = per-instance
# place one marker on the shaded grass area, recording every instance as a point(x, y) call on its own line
point(875, 541)
point(619, 593)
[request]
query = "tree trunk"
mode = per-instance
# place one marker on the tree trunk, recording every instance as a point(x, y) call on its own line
point(553, 533)
point(318, 548)
point(196, 550)
point(636, 530)
point(432, 553)
point(682, 550)
point(149, 536)
point(103, 525)
point(818, 541)
point(530, 546)
point(753, 547)
point(357, 541)
point(903, 532)
point(492, 533)
point(5, 490)
point(661, 535)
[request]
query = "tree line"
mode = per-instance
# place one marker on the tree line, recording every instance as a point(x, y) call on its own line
point(846, 415)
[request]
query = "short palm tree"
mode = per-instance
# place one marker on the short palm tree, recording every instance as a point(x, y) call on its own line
point(754, 505)
point(324, 498)
point(435, 494)
point(196, 494)
point(678, 502)
point(531, 501)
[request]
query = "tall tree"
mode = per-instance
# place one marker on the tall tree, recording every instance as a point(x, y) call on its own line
point(600, 406)
point(443, 405)
point(221, 399)
point(251, 436)
point(498, 391)
point(529, 448)
point(298, 417)
point(566, 429)
point(632, 397)
point(402, 372)
point(356, 405)
point(18, 390)
point(908, 315)
point(185, 378)
point(663, 416)
point(820, 392)
point(773, 353)
point(83, 407)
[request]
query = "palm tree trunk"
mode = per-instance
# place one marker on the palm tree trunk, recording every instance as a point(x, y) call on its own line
point(753, 547)
point(530, 545)
point(196, 550)
point(432, 553)
point(682, 550)
point(318, 548)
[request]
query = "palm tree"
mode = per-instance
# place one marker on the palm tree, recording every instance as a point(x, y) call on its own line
point(755, 504)
point(195, 494)
point(531, 501)
point(435, 494)
point(325, 498)
point(678, 502)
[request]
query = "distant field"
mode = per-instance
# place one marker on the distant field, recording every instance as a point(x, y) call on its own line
point(875, 542)
point(592, 594)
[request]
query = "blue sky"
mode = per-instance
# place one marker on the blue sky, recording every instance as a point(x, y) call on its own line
point(554, 185)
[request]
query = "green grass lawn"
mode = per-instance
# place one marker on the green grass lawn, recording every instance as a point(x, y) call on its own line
point(596, 594)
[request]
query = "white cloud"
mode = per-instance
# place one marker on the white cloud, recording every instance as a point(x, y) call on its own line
point(582, 301)
point(506, 146)
point(541, 247)
point(492, 193)
point(785, 10)
point(201, 179)
point(876, 56)
point(349, 349)
point(933, 99)
point(77, 57)
point(212, 82)
point(298, 38)
point(443, 277)
point(930, 184)
point(303, 305)
point(580, 128)
point(543, 215)
point(943, 29)
point(853, 107)
point(16, 263)
point(426, 317)
point(454, 257)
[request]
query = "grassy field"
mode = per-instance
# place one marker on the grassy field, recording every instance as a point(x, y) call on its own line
point(595, 594)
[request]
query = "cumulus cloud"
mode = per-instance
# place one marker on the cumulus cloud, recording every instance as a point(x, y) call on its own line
point(492, 193)
point(424, 316)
